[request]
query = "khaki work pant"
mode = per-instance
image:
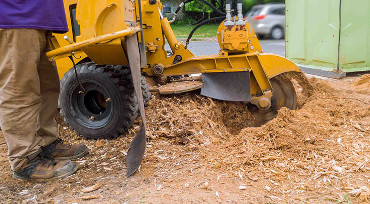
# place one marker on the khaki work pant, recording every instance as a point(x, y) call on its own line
point(29, 90)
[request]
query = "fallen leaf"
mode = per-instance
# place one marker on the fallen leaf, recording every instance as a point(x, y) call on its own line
point(99, 143)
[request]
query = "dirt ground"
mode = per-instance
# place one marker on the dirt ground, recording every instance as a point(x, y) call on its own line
point(207, 151)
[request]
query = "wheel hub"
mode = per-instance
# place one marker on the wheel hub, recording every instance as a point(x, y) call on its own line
point(95, 102)
point(92, 107)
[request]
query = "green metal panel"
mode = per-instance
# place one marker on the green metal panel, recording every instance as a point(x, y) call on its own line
point(295, 19)
point(312, 34)
point(355, 36)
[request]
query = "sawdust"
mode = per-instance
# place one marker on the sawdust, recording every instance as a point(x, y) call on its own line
point(362, 83)
point(204, 151)
point(365, 79)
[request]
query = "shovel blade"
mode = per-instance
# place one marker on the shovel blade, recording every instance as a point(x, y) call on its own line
point(136, 152)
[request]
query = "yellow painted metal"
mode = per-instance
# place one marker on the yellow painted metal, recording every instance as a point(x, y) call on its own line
point(170, 36)
point(259, 73)
point(155, 31)
point(262, 67)
point(95, 18)
point(105, 23)
point(237, 38)
point(275, 65)
point(100, 17)
point(107, 38)
point(57, 41)
point(153, 34)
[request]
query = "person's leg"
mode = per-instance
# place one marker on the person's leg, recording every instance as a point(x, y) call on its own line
point(20, 103)
point(49, 89)
point(47, 127)
point(20, 98)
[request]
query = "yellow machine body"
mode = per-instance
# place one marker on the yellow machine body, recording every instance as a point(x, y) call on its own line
point(113, 42)
point(103, 25)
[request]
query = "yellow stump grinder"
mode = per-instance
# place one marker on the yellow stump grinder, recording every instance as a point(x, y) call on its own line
point(112, 44)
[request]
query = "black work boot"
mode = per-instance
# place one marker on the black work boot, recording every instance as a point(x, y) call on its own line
point(60, 151)
point(44, 169)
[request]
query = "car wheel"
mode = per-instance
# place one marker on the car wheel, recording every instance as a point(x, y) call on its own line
point(277, 33)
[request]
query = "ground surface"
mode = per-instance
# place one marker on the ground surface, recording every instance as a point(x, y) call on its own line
point(206, 151)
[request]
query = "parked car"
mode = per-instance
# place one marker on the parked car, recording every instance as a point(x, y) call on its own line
point(268, 20)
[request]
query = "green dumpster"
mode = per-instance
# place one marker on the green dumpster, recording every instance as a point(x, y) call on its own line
point(328, 37)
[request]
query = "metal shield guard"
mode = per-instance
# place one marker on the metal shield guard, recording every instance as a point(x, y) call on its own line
point(227, 86)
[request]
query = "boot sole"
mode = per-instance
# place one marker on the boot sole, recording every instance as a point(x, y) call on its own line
point(49, 179)
point(74, 157)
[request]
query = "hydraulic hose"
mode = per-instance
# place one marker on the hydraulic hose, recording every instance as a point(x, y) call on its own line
point(228, 12)
point(199, 25)
point(221, 15)
point(178, 9)
point(77, 77)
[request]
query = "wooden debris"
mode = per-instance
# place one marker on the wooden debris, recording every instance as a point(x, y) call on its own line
point(180, 87)
point(226, 141)
point(205, 185)
point(92, 188)
point(269, 158)
point(90, 197)
point(364, 197)
point(268, 188)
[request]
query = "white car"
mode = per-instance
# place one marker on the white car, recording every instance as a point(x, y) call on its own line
point(268, 20)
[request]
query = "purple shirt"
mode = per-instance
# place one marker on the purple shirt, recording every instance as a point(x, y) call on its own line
point(33, 14)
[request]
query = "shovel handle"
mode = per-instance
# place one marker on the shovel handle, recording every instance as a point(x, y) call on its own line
point(103, 38)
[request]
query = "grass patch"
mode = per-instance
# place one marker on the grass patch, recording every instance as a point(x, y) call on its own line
point(205, 31)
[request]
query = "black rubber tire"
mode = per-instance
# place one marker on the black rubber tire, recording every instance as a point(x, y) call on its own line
point(94, 117)
point(284, 95)
point(125, 71)
point(146, 91)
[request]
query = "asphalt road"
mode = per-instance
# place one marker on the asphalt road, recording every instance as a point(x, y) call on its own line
point(210, 47)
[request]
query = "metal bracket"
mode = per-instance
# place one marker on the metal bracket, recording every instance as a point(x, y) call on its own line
point(262, 102)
